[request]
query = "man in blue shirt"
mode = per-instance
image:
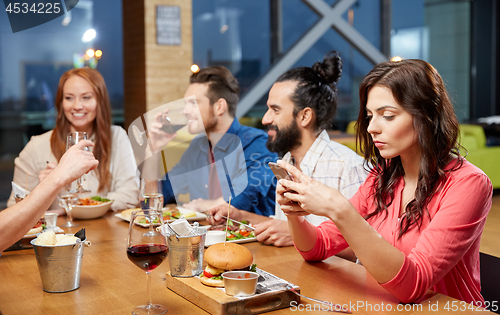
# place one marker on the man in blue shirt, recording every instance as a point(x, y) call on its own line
point(226, 159)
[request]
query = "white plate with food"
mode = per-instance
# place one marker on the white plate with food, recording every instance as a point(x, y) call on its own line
point(169, 214)
point(91, 208)
point(39, 227)
point(238, 241)
point(36, 229)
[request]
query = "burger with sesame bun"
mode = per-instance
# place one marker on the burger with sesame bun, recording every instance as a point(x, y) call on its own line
point(222, 257)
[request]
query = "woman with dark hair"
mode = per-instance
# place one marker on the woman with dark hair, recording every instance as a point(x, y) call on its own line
point(416, 222)
point(82, 104)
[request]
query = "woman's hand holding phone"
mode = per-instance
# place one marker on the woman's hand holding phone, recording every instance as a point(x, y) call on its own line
point(312, 196)
point(281, 173)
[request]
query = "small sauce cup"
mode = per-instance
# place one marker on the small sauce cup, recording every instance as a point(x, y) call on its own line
point(214, 237)
point(51, 219)
point(240, 283)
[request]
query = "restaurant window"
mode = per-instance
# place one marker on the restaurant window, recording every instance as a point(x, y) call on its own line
point(438, 32)
point(237, 34)
point(32, 61)
point(234, 34)
point(362, 16)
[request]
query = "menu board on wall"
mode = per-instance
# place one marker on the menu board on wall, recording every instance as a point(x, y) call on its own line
point(168, 25)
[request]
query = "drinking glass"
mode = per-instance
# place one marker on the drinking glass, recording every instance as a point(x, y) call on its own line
point(151, 197)
point(71, 140)
point(173, 120)
point(147, 251)
point(68, 200)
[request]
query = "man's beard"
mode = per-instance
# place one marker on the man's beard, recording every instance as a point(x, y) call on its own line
point(211, 123)
point(285, 139)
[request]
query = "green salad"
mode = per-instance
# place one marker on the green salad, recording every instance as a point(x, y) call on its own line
point(100, 199)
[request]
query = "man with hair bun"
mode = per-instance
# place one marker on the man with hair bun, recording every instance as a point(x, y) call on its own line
point(301, 106)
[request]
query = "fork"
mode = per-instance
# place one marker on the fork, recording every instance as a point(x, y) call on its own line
point(237, 222)
point(333, 307)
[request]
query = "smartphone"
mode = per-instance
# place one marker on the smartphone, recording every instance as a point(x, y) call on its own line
point(280, 172)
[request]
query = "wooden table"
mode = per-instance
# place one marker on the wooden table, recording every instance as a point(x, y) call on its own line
point(111, 284)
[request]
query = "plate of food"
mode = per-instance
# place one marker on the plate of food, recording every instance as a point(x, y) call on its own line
point(169, 214)
point(235, 233)
point(39, 227)
point(91, 207)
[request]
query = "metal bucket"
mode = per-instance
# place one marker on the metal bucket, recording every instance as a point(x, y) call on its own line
point(185, 254)
point(60, 266)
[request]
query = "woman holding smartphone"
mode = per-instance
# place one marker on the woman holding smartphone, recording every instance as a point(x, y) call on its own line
point(416, 222)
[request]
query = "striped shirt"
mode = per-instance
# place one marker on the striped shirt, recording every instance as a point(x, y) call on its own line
point(332, 164)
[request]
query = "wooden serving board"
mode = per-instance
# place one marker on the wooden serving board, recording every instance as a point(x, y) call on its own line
point(216, 301)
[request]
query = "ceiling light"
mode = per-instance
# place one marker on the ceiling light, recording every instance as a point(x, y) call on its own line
point(88, 36)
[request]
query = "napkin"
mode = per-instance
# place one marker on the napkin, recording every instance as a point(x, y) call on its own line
point(19, 191)
point(182, 227)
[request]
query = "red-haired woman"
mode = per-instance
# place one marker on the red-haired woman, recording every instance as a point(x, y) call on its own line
point(82, 104)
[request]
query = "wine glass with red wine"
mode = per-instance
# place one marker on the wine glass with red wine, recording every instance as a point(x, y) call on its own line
point(173, 120)
point(147, 251)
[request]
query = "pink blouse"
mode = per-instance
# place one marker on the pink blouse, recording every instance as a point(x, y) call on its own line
point(443, 255)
